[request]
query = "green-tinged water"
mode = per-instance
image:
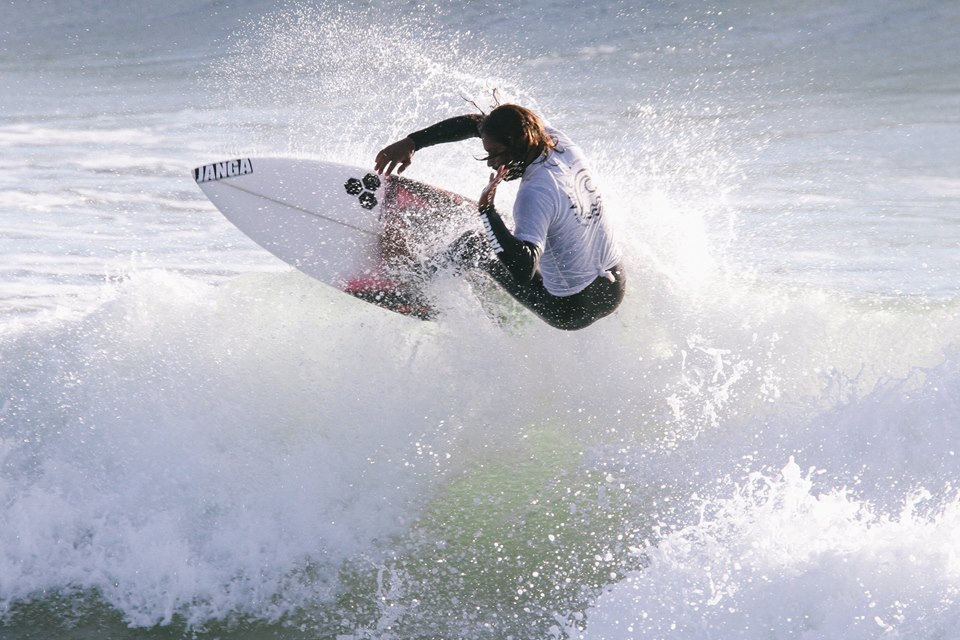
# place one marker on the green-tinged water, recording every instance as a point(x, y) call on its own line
point(85, 616)
point(517, 545)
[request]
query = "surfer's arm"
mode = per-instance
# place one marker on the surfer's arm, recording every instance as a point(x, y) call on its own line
point(520, 257)
point(399, 155)
point(450, 130)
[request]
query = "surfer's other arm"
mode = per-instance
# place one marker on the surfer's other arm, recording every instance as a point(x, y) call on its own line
point(399, 155)
point(521, 258)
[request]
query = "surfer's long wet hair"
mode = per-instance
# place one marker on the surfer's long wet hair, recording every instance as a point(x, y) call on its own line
point(520, 130)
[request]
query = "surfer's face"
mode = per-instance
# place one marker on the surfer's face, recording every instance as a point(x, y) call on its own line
point(497, 154)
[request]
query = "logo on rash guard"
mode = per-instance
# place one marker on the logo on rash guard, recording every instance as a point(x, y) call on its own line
point(221, 170)
point(585, 200)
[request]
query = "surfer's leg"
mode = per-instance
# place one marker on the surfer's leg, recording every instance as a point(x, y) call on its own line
point(599, 299)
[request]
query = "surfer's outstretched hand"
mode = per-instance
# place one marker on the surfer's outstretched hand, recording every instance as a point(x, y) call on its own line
point(488, 193)
point(397, 156)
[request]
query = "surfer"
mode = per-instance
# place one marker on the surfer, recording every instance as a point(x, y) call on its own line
point(561, 260)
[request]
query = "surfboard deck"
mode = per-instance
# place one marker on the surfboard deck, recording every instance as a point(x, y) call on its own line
point(346, 226)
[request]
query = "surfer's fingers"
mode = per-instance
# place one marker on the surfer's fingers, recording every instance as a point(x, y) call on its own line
point(380, 162)
point(386, 167)
point(386, 160)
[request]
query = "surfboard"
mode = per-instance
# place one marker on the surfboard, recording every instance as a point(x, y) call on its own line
point(348, 227)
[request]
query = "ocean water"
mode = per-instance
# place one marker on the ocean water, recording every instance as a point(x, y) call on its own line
point(198, 442)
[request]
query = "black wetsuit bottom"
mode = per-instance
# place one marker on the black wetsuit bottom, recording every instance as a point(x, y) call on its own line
point(599, 299)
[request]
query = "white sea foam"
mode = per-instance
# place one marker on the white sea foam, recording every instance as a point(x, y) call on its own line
point(783, 557)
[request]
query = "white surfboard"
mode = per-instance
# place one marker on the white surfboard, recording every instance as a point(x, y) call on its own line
point(345, 226)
